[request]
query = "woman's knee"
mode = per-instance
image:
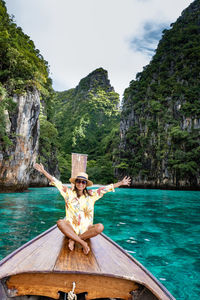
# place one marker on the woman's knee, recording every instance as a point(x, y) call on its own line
point(60, 222)
point(99, 228)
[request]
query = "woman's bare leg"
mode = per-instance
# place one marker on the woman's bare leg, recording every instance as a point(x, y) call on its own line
point(92, 231)
point(66, 228)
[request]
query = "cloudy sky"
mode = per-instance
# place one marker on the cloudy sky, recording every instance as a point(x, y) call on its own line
point(78, 36)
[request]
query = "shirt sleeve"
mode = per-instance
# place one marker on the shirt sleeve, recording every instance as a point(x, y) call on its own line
point(97, 194)
point(65, 193)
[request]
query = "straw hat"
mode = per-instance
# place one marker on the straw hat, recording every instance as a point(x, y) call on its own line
point(81, 175)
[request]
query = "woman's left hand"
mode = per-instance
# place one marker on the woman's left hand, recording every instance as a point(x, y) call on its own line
point(126, 181)
point(39, 167)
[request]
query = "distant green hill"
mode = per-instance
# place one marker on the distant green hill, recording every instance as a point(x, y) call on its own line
point(160, 122)
point(87, 118)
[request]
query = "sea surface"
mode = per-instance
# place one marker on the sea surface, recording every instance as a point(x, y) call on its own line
point(159, 228)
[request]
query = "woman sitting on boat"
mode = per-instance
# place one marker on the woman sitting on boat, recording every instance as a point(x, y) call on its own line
point(79, 202)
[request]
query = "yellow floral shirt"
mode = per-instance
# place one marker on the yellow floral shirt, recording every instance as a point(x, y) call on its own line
point(80, 211)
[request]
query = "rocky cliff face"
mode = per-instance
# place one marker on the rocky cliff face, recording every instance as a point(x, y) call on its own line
point(16, 162)
point(160, 123)
point(23, 128)
point(24, 76)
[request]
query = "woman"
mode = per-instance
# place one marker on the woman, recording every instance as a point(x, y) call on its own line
point(79, 202)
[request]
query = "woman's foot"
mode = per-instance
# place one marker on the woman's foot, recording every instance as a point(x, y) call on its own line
point(86, 248)
point(71, 245)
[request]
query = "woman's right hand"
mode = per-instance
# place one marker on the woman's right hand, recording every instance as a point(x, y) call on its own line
point(39, 167)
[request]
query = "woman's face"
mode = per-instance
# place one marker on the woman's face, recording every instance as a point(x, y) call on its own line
point(80, 184)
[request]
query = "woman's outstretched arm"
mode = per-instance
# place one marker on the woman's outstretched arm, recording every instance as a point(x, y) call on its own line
point(97, 194)
point(53, 181)
point(40, 168)
point(125, 181)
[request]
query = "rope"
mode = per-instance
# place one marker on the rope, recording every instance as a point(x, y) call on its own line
point(71, 295)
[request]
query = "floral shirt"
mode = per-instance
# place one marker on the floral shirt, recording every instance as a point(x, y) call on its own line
point(80, 211)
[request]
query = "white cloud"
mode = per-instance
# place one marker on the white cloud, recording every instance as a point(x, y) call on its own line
point(77, 36)
point(148, 40)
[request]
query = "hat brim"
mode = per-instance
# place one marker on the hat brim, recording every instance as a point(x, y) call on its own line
point(89, 183)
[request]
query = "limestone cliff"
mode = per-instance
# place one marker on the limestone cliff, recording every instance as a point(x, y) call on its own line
point(24, 79)
point(160, 122)
point(17, 160)
point(23, 128)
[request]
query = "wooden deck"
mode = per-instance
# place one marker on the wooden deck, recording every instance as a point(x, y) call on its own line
point(45, 266)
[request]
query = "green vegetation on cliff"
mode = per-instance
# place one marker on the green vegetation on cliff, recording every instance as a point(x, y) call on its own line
point(87, 118)
point(22, 69)
point(22, 65)
point(162, 107)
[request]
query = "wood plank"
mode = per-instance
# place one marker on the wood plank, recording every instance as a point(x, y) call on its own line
point(76, 261)
point(45, 256)
point(79, 163)
point(50, 284)
point(130, 268)
point(112, 260)
point(39, 255)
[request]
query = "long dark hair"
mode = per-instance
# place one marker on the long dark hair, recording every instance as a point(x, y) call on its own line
point(85, 191)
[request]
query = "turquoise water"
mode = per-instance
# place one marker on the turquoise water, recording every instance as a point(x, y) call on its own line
point(159, 228)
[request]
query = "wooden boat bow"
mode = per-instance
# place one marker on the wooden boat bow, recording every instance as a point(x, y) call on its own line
point(45, 266)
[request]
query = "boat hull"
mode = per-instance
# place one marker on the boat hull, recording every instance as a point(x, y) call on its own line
point(52, 285)
point(46, 267)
